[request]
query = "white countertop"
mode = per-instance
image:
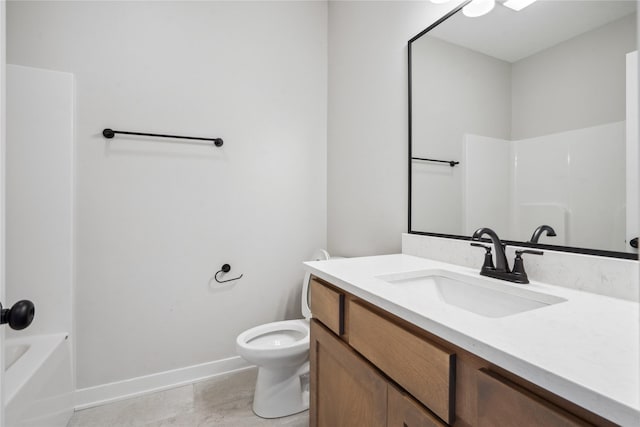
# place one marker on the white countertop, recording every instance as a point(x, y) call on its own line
point(586, 349)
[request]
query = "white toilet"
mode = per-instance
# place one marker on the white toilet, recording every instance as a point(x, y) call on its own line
point(281, 352)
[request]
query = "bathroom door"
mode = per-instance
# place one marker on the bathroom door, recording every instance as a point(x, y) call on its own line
point(38, 237)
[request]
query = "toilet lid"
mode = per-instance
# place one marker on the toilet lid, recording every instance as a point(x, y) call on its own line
point(319, 255)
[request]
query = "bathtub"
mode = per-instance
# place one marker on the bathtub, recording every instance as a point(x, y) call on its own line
point(38, 381)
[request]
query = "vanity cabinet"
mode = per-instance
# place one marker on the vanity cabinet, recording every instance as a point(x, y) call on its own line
point(371, 368)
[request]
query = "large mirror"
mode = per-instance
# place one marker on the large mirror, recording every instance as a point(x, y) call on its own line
point(526, 118)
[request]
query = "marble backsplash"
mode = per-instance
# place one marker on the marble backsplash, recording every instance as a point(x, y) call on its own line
point(614, 277)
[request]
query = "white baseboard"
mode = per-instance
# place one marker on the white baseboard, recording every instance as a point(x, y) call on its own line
point(119, 390)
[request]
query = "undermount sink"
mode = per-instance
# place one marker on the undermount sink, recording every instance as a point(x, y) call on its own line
point(478, 295)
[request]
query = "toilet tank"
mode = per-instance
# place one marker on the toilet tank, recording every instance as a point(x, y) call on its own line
point(319, 255)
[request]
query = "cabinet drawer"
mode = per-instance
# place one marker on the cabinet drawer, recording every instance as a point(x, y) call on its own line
point(503, 403)
point(424, 369)
point(403, 411)
point(327, 305)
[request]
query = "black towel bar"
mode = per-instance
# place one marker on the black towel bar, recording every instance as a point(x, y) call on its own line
point(110, 133)
point(452, 163)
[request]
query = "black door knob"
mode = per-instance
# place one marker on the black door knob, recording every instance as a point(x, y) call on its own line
point(19, 316)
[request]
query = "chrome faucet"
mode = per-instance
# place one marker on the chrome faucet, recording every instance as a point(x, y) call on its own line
point(501, 270)
point(538, 232)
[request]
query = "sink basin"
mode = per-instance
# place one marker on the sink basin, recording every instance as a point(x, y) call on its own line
point(478, 295)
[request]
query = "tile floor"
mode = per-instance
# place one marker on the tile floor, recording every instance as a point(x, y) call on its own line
point(222, 402)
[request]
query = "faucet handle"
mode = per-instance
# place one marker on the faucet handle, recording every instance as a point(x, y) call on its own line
point(518, 264)
point(480, 245)
point(488, 258)
point(521, 252)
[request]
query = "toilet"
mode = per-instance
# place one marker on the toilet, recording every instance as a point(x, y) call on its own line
point(281, 352)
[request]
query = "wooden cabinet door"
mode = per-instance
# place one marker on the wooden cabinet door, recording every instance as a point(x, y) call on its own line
point(502, 403)
point(346, 391)
point(404, 411)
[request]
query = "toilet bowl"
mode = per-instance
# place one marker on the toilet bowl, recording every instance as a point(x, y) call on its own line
point(281, 352)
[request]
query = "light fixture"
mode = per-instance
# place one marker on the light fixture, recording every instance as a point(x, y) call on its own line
point(478, 8)
point(518, 5)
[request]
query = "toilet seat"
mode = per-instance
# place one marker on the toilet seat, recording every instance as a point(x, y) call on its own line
point(276, 339)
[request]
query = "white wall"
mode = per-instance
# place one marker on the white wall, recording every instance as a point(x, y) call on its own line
point(487, 184)
point(447, 104)
point(156, 220)
point(576, 84)
point(39, 196)
point(367, 122)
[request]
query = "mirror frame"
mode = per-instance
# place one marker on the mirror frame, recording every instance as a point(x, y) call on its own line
point(572, 249)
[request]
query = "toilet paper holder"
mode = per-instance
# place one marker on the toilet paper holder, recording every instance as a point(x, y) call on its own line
point(225, 269)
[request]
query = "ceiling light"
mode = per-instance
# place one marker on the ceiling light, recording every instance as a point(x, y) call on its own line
point(439, 1)
point(478, 8)
point(517, 5)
